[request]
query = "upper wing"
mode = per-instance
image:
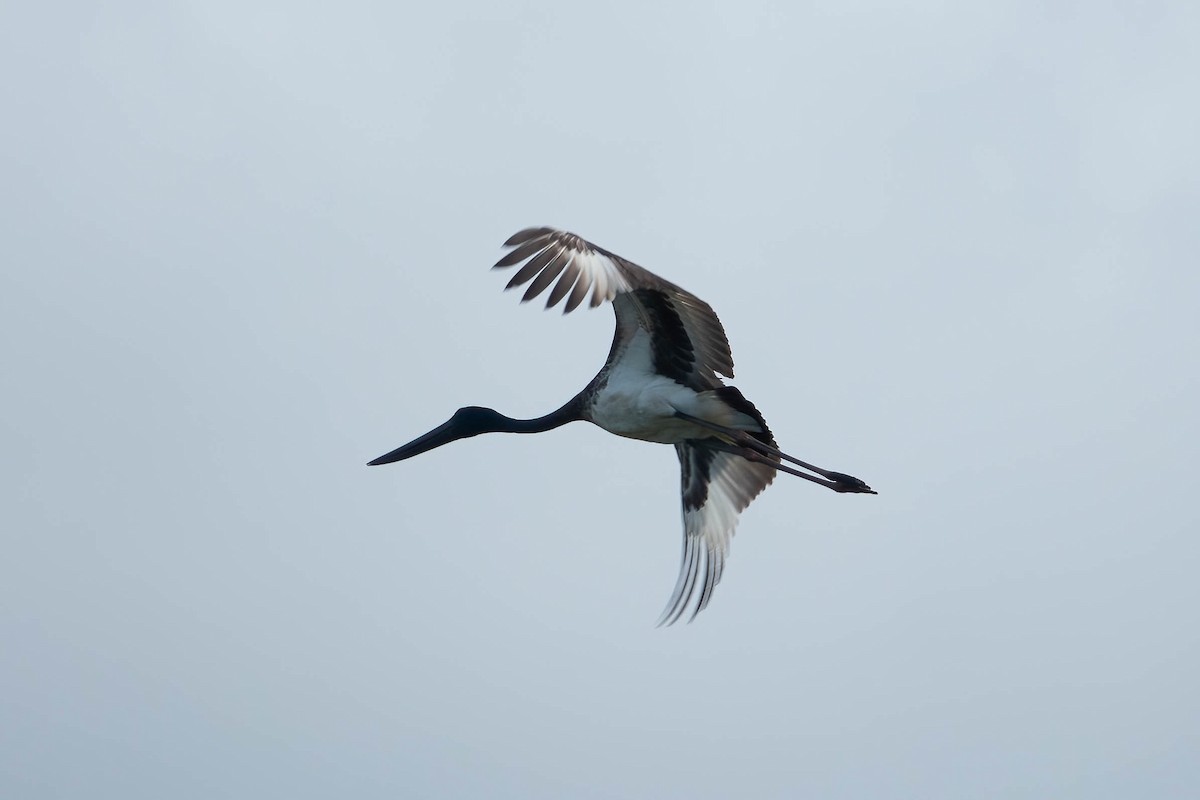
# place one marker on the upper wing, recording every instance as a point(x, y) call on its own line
point(717, 486)
point(580, 266)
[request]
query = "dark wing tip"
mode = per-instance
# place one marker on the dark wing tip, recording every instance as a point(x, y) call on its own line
point(522, 236)
point(565, 261)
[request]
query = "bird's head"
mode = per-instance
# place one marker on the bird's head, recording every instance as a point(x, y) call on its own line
point(466, 422)
point(474, 420)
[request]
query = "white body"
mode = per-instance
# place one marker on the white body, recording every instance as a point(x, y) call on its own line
point(638, 403)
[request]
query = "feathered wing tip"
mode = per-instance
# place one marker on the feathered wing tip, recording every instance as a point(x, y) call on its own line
point(699, 574)
point(574, 265)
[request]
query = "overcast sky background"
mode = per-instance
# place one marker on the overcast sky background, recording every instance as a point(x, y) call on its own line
point(246, 249)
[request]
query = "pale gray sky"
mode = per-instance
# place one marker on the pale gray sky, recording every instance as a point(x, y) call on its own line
point(246, 249)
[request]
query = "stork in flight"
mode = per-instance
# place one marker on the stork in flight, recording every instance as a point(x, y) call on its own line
point(660, 383)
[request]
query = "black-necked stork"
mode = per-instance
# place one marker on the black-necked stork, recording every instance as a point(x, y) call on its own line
point(660, 383)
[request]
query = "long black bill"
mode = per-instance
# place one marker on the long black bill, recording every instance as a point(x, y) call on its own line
point(442, 434)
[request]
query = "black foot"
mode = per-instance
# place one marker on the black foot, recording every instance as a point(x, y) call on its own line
point(849, 483)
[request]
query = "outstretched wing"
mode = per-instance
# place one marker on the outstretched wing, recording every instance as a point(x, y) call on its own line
point(717, 486)
point(640, 298)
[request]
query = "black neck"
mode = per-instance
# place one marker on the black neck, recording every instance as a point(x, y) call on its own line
point(555, 419)
point(473, 421)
